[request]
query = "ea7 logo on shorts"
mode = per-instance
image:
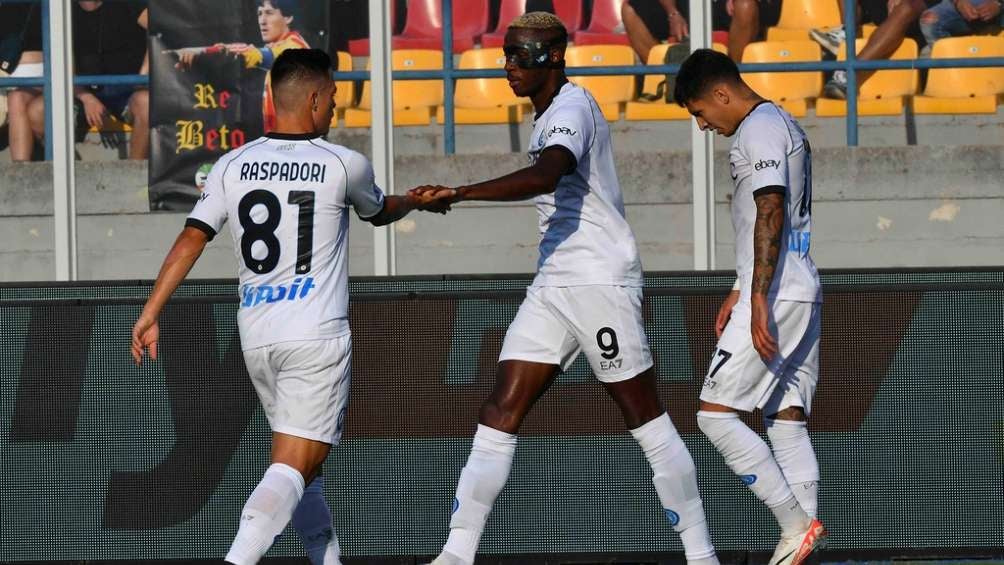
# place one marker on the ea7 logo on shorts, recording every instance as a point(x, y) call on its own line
point(611, 365)
point(770, 163)
point(561, 130)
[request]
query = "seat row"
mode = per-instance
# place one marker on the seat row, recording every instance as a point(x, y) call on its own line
point(423, 27)
point(948, 91)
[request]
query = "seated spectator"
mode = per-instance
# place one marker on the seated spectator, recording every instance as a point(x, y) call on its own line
point(953, 18)
point(895, 18)
point(109, 38)
point(24, 22)
point(648, 22)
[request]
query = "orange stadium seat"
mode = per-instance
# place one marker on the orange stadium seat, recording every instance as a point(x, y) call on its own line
point(659, 109)
point(609, 91)
point(509, 10)
point(882, 94)
point(799, 16)
point(606, 17)
point(790, 90)
point(963, 91)
point(345, 95)
point(415, 101)
point(484, 100)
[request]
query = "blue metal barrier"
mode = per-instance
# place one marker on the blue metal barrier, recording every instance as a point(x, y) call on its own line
point(449, 74)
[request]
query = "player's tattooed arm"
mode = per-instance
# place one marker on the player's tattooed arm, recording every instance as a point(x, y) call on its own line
point(767, 237)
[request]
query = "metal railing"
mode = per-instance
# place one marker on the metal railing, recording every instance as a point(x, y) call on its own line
point(449, 74)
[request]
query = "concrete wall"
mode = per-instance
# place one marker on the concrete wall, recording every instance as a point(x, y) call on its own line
point(873, 207)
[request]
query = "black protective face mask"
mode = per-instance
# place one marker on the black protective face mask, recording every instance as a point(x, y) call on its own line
point(532, 55)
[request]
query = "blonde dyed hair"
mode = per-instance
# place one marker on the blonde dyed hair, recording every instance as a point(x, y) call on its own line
point(538, 20)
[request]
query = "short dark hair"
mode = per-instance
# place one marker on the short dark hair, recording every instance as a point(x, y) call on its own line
point(699, 71)
point(287, 7)
point(297, 65)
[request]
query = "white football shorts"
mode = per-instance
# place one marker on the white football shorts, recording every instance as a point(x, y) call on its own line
point(304, 385)
point(554, 324)
point(738, 378)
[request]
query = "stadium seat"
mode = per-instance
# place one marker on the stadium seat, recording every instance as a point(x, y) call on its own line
point(882, 94)
point(345, 95)
point(799, 16)
point(963, 91)
point(414, 100)
point(605, 19)
point(609, 91)
point(423, 28)
point(658, 109)
point(790, 90)
point(361, 47)
point(509, 10)
point(570, 12)
point(484, 100)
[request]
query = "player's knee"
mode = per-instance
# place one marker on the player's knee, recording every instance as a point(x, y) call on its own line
point(497, 413)
point(791, 414)
point(715, 425)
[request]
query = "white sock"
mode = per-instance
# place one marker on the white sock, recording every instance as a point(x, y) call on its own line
point(750, 458)
point(675, 480)
point(312, 521)
point(480, 482)
point(794, 454)
point(266, 513)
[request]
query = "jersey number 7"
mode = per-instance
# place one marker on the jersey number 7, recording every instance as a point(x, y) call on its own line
point(265, 231)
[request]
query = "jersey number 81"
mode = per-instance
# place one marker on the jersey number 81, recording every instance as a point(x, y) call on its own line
point(265, 231)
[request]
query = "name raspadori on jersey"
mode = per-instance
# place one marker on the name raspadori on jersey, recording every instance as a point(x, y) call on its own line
point(284, 172)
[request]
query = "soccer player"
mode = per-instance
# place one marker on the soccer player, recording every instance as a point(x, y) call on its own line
point(587, 296)
point(288, 194)
point(768, 328)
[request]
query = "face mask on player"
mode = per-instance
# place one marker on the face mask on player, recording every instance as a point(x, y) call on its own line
point(532, 55)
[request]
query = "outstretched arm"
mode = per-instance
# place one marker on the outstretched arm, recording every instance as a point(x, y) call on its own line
point(766, 250)
point(540, 178)
point(179, 261)
point(397, 207)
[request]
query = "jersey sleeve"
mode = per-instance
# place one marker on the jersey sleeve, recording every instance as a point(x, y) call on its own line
point(361, 191)
point(571, 127)
point(210, 212)
point(766, 146)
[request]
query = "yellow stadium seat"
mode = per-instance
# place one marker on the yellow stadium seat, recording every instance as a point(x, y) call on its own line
point(867, 30)
point(609, 91)
point(345, 94)
point(963, 91)
point(882, 94)
point(790, 90)
point(111, 125)
point(484, 100)
point(659, 109)
point(415, 101)
point(799, 16)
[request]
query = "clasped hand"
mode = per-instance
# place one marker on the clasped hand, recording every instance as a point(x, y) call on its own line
point(433, 198)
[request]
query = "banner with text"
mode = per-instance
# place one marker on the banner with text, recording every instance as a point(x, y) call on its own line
point(209, 65)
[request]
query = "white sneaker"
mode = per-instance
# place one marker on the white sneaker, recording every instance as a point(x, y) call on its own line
point(831, 38)
point(796, 549)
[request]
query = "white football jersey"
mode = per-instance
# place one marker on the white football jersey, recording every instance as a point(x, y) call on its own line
point(287, 198)
point(771, 150)
point(584, 236)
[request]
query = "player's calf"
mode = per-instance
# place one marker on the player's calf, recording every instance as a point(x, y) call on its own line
point(266, 514)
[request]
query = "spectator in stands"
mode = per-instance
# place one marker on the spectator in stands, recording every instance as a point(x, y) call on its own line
point(961, 17)
point(647, 22)
point(109, 38)
point(21, 33)
point(894, 18)
point(275, 22)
